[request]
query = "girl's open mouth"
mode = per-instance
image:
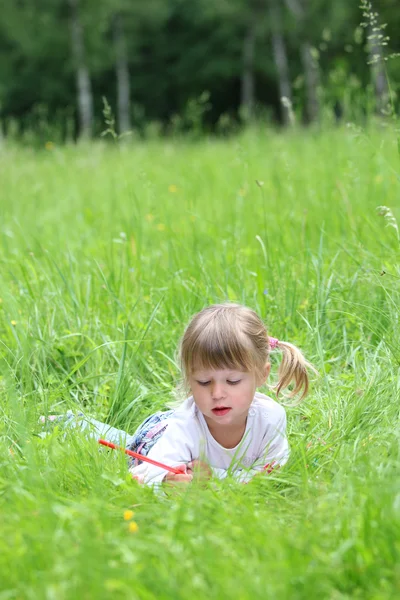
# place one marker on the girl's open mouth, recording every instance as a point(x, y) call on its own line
point(221, 411)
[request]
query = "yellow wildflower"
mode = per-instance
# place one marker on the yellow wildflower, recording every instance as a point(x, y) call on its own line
point(13, 323)
point(304, 304)
point(161, 227)
point(172, 188)
point(133, 527)
point(149, 217)
point(128, 515)
point(49, 146)
point(378, 179)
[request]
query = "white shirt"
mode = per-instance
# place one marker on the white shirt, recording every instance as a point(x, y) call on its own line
point(188, 438)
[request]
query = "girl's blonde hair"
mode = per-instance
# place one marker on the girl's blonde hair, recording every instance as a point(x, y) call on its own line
point(232, 336)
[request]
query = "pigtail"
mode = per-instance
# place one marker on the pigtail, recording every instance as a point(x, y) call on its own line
point(293, 369)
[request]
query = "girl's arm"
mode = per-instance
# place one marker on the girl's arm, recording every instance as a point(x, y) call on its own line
point(176, 447)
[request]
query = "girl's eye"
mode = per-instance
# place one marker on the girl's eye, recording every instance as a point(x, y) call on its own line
point(204, 383)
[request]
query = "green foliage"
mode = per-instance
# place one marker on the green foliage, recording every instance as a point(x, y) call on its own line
point(109, 120)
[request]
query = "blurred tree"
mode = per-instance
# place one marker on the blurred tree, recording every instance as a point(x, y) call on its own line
point(301, 10)
point(122, 73)
point(248, 21)
point(247, 96)
point(83, 83)
point(33, 56)
point(281, 59)
point(376, 40)
point(127, 23)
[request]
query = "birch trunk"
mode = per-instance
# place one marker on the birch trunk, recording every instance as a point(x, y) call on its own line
point(311, 80)
point(378, 73)
point(248, 88)
point(311, 76)
point(83, 84)
point(122, 75)
point(280, 59)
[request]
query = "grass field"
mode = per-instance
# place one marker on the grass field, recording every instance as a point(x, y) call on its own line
point(105, 253)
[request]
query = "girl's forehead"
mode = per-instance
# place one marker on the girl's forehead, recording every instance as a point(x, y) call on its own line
point(216, 372)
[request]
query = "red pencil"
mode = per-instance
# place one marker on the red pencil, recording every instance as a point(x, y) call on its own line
point(175, 470)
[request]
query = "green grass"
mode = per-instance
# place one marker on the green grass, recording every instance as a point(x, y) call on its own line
point(105, 253)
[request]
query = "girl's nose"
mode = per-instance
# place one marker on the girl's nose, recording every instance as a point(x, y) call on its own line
point(217, 391)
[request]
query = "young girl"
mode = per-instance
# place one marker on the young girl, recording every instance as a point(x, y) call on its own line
point(225, 426)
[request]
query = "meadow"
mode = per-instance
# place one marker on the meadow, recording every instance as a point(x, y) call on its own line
point(106, 250)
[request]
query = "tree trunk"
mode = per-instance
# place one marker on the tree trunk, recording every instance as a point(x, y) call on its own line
point(311, 80)
point(281, 61)
point(299, 10)
point(83, 84)
point(378, 73)
point(247, 90)
point(122, 74)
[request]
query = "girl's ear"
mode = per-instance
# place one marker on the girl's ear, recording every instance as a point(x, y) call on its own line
point(265, 374)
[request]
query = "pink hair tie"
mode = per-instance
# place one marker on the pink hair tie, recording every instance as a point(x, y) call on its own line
point(273, 342)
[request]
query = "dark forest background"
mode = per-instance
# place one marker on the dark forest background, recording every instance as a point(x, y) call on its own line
point(178, 65)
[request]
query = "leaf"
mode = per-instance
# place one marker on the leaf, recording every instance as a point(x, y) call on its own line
point(117, 481)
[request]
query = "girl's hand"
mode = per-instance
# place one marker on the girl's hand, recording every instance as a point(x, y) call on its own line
point(201, 470)
point(178, 478)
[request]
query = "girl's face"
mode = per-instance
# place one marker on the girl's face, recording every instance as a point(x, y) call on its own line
point(224, 396)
